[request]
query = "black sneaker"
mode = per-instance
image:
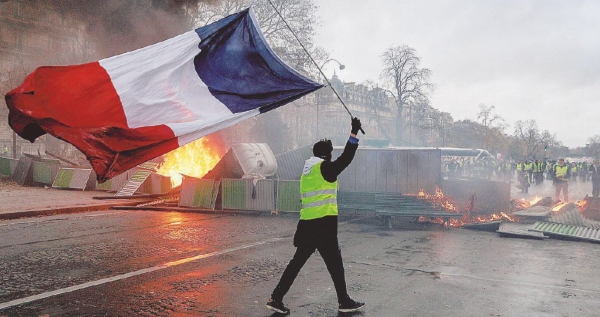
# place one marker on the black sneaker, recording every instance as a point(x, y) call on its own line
point(277, 306)
point(350, 306)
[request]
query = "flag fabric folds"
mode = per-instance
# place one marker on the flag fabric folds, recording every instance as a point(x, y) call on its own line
point(128, 109)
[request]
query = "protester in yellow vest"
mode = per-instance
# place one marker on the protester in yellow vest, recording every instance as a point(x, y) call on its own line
point(538, 171)
point(561, 174)
point(317, 228)
point(594, 170)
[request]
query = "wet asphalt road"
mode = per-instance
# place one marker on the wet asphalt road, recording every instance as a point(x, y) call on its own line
point(229, 264)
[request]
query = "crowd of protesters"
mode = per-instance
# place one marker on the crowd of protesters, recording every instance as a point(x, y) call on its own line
point(527, 172)
point(530, 171)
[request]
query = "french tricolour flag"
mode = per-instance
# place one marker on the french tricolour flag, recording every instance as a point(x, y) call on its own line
point(127, 109)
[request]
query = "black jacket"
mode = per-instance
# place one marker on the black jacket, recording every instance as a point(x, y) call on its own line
point(595, 173)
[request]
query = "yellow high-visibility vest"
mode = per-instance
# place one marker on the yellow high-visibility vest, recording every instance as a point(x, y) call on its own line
point(560, 171)
point(319, 197)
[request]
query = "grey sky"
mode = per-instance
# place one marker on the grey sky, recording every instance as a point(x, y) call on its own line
point(531, 59)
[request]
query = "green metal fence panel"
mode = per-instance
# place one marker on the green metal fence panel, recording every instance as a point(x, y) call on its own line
point(261, 194)
point(288, 196)
point(64, 177)
point(567, 231)
point(75, 178)
point(248, 194)
point(115, 183)
point(104, 186)
point(196, 192)
point(216, 187)
point(234, 193)
point(155, 184)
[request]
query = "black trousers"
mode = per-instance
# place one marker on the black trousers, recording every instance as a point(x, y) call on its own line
point(595, 188)
point(331, 254)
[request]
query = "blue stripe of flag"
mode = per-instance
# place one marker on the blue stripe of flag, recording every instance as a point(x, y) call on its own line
point(242, 71)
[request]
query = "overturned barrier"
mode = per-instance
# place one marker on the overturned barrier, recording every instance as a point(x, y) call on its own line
point(198, 193)
point(559, 230)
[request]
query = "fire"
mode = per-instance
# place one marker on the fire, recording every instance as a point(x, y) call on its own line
point(193, 159)
point(524, 204)
point(466, 219)
point(558, 207)
point(439, 200)
point(582, 204)
point(535, 200)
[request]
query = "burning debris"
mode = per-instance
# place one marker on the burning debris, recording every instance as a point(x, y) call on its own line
point(569, 214)
point(590, 207)
point(521, 204)
point(193, 159)
point(469, 216)
point(561, 220)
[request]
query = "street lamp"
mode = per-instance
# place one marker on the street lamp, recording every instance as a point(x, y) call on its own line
point(342, 67)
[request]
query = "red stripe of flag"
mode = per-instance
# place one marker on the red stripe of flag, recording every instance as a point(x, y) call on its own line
point(95, 123)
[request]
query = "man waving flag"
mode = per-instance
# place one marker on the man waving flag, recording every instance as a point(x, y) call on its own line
point(127, 109)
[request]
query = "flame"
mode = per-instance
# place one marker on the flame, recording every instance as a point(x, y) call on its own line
point(535, 200)
point(439, 200)
point(193, 159)
point(582, 204)
point(453, 222)
point(559, 206)
point(466, 219)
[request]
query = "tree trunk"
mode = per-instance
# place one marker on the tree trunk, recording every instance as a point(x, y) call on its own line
point(399, 130)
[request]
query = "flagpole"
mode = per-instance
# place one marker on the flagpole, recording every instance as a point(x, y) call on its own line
point(314, 62)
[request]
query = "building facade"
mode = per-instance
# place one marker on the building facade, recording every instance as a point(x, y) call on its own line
point(373, 106)
point(31, 34)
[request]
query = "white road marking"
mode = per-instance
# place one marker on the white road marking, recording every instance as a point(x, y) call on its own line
point(130, 274)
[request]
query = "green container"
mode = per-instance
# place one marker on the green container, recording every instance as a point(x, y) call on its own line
point(44, 172)
point(5, 167)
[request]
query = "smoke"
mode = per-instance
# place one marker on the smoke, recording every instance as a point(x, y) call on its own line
point(118, 26)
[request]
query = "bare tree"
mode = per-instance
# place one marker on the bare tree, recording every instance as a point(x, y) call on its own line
point(300, 15)
point(493, 124)
point(488, 118)
point(409, 81)
point(594, 146)
point(532, 140)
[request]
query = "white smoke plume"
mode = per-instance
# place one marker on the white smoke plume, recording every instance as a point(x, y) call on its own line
point(118, 26)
